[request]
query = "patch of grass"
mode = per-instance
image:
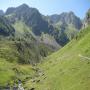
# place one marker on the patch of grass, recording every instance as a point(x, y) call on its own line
point(6, 73)
point(8, 51)
point(10, 73)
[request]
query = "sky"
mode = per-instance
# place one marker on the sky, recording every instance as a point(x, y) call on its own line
point(49, 7)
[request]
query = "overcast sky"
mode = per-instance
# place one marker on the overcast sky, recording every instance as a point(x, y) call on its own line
point(48, 7)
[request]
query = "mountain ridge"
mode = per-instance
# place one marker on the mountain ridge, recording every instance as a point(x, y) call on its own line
point(42, 24)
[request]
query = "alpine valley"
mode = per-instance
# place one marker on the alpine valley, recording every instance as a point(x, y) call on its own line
point(44, 52)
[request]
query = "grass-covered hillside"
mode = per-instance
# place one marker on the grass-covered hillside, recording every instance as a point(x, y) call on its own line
point(67, 69)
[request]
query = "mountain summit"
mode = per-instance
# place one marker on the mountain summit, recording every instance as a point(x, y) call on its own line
point(30, 16)
point(67, 18)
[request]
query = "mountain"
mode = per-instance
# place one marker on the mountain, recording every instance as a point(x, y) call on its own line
point(66, 26)
point(62, 27)
point(30, 16)
point(67, 18)
point(1, 12)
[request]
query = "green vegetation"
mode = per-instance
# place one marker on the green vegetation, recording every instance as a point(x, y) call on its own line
point(5, 72)
point(21, 30)
point(71, 32)
point(10, 73)
point(8, 51)
point(5, 27)
point(65, 69)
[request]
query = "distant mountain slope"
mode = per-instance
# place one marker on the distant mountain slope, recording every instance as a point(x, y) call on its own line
point(5, 27)
point(66, 26)
point(67, 18)
point(49, 40)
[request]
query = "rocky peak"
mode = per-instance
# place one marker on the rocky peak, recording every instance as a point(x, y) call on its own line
point(1, 12)
point(67, 18)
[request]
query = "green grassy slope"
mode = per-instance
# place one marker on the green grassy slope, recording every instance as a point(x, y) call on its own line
point(22, 29)
point(66, 69)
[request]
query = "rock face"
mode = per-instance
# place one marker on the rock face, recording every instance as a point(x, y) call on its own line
point(1, 13)
point(67, 18)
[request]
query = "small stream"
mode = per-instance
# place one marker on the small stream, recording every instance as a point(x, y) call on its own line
point(19, 87)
